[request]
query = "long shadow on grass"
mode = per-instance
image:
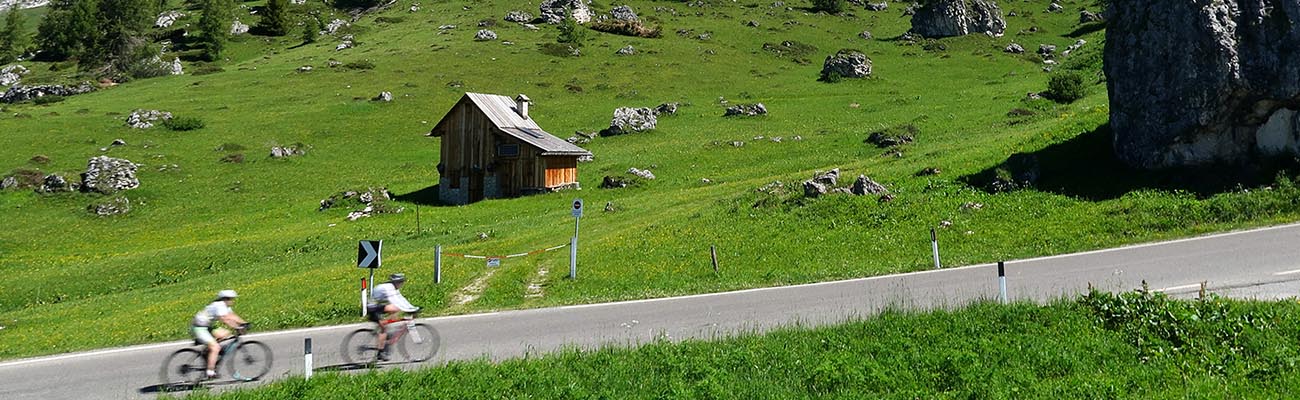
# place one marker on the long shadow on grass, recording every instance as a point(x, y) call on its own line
point(184, 387)
point(1086, 167)
point(1086, 29)
point(425, 197)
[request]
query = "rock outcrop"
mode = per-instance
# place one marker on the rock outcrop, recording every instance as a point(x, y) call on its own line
point(1198, 83)
point(109, 175)
point(553, 11)
point(748, 110)
point(944, 18)
point(847, 64)
point(21, 93)
point(628, 120)
point(145, 119)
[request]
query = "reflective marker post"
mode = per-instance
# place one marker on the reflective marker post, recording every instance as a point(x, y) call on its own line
point(307, 357)
point(934, 244)
point(437, 265)
point(1002, 282)
point(573, 243)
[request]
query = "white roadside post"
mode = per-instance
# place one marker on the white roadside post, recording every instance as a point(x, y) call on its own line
point(437, 265)
point(306, 351)
point(573, 243)
point(363, 297)
point(934, 245)
point(1002, 282)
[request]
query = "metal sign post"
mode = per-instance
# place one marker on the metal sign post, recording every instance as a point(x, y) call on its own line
point(573, 244)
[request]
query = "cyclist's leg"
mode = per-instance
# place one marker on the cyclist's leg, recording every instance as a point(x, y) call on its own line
point(203, 335)
point(390, 311)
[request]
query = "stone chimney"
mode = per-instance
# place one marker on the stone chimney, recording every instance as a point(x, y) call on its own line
point(521, 105)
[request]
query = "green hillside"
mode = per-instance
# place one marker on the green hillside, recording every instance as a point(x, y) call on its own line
point(72, 280)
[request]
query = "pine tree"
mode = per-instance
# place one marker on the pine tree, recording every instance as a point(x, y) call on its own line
point(310, 29)
point(68, 29)
point(123, 24)
point(13, 40)
point(275, 18)
point(214, 27)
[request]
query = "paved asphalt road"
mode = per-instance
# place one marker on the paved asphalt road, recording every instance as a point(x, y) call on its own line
point(1262, 263)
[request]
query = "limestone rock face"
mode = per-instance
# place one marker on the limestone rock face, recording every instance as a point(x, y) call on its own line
point(944, 18)
point(109, 175)
point(1197, 83)
point(553, 11)
point(629, 119)
point(848, 64)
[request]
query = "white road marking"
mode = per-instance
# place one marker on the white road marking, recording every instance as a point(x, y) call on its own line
point(1181, 287)
point(1294, 271)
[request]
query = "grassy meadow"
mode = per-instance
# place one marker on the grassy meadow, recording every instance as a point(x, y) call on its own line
point(199, 224)
point(1099, 346)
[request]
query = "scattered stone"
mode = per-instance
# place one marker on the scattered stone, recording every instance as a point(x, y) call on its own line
point(446, 27)
point(346, 44)
point(118, 142)
point(752, 24)
point(238, 28)
point(847, 64)
point(176, 67)
point(383, 97)
point(611, 182)
point(623, 13)
point(484, 35)
point(814, 189)
point(865, 186)
point(9, 79)
point(305, 68)
point(334, 26)
point(609, 207)
point(626, 51)
point(554, 11)
point(1015, 48)
point(945, 18)
point(746, 110)
point(1087, 17)
point(531, 27)
point(1046, 50)
point(945, 223)
point(737, 143)
point(630, 120)
point(117, 206)
point(19, 93)
point(642, 173)
point(1033, 96)
point(109, 175)
point(287, 151)
point(881, 6)
point(331, 63)
point(866, 35)
point(972, 206)
point(518, 16)
point(167, 18)
point(666, 109)
point(883, 139)
point(8, 182)
point(1078, 44)
point(1055, 7)
point(144, 119)
point(54, 183)
point(414, 8)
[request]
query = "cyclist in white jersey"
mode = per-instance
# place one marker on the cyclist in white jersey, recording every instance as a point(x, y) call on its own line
point(386, 301)
point(204, 329)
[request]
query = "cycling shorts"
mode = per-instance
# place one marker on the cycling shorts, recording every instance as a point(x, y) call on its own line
point(202, 334)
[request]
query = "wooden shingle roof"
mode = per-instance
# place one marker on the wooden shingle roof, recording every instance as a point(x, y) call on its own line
point(501, 110)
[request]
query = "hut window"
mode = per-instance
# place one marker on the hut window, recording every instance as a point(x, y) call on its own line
point(508, 150)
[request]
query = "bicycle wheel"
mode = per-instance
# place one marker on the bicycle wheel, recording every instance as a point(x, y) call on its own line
point(421, 343)
point(250, 361)
point(359, 347)
point(185, 366)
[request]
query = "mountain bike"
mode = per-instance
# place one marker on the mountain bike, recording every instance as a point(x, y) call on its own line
point(245, 360)
point(416, 341)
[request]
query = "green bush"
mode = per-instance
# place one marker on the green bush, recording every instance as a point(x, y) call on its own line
point(47, 99)
point(183, 124)
point(358, 65)
point(1066, 87)
point(829, 6)
point(571, 33)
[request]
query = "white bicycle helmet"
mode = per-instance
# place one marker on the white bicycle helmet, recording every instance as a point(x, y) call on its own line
point(227, 294)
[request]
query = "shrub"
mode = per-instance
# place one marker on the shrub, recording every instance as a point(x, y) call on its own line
point(829, 6)
point(831, 77)
point(626, 28)
point(1066, 87)
point(205, 69)
point(183, 124)
point(359, 65)
point(47, 99)
point(571, 33)
point(233, 158)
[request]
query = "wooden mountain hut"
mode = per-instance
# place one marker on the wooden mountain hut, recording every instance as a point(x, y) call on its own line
point(491, 149)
